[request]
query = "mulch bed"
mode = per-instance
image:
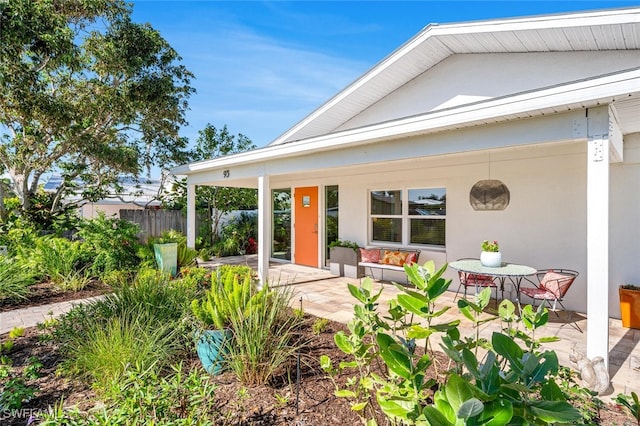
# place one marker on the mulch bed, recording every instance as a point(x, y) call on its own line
point(46, 293)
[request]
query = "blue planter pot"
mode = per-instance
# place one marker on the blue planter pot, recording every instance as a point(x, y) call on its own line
point(213, 348)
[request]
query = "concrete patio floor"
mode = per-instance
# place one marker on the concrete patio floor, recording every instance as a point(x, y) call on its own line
point(326, 295)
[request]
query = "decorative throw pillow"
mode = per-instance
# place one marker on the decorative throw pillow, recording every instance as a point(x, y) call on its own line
point(412, 257)
point(396, 258)
point(370, 255)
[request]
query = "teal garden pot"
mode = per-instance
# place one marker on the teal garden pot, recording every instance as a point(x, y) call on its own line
point(213, 348)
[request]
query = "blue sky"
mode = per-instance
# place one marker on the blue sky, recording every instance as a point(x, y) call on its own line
point(261, 66)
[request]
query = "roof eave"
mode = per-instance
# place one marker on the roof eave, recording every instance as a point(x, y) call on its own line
point(586, 93)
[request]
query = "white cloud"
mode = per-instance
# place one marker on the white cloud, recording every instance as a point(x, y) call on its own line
point(256, 84)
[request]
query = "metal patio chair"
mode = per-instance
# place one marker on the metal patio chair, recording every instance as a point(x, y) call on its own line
point(552, 286)
point(477, 281)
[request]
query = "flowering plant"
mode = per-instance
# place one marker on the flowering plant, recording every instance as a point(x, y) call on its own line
point(490, 246)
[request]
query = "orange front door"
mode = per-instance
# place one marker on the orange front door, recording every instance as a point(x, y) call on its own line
point(306, 226)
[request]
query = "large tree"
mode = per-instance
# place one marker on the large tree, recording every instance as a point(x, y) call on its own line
point(215, 201)
point(86, 92)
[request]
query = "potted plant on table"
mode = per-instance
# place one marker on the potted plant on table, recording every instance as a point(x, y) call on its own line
point(491, 256)
point(343, 258)
point(233, 288)
point(630, 305)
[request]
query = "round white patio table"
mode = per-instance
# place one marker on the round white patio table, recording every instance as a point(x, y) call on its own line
point(513, 272)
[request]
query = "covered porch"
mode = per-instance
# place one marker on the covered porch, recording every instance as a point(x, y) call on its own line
point(325, 295)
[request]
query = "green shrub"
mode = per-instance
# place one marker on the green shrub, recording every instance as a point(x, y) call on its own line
point(138, 326)
point(179, 398)
point(15, 279)
point(508, 385)
point(631, 403)
point(195, 276)
point(232, 288)
point(57, 259)
point(238, 236)
point(112, 242)
point(319, 325)
point(127, 342)
point(263, 337)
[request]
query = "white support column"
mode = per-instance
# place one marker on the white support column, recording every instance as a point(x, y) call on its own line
point(191, 216)
point(264, 228)
point(598, 157)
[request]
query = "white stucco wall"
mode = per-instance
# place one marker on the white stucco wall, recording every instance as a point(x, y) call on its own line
point(461, 79)
point(544, 225)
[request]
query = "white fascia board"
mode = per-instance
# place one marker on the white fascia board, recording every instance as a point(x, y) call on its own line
point(542, 22)
point(604, 88)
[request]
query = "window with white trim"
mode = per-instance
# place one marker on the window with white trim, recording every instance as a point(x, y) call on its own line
point(408, 216)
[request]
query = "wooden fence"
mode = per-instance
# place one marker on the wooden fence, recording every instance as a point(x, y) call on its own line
point(153, 222)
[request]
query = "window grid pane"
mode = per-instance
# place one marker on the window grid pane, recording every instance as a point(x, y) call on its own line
point(387, 229)
point(386, 202)
point(428, 231)
point(427, 202)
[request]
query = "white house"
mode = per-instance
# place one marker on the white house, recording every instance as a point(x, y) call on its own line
point(547, 105)
point(132, 194)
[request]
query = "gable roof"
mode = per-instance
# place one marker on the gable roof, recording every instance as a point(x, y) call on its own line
point(575, 32)
point(593, 31)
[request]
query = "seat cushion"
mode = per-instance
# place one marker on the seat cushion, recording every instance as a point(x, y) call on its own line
point(538, 293)
point(476, 280)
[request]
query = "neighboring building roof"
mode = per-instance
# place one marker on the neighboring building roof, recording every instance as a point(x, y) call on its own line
point(141, 191)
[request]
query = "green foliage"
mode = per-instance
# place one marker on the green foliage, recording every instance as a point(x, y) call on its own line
point(360, 344)
point(113, 242)
point(508, 385)
point(7, 345)
point(196, 277)
point(125, 342)
point(15, 279)
point(583, 399)
point(88, 92)
point(631, 403)
point(344, 243)
point(137, 327)
point(238, 236)
point(319, 325)
point(14, 393)
point(59, 260)
point(262, 336)
point(180, 398)
point(233, 288)
point(32, 369)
